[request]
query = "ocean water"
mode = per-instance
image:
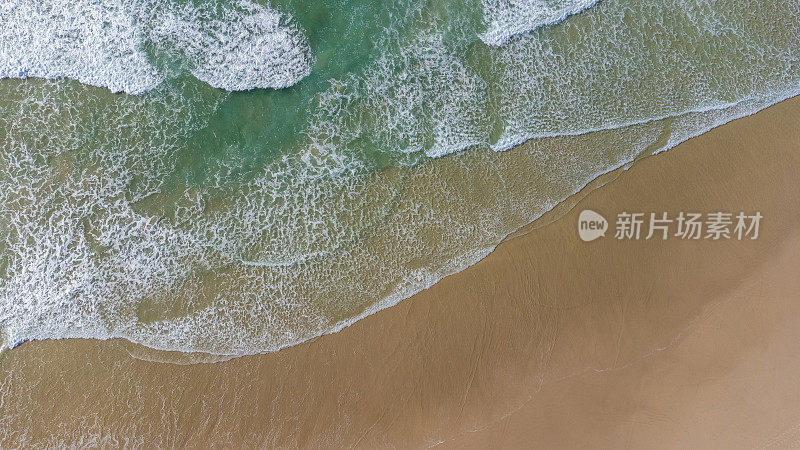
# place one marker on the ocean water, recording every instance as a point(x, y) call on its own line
point(237, 176)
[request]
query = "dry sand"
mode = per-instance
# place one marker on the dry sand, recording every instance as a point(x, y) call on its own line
point(549, 341)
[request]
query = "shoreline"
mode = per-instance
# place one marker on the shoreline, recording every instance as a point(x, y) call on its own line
point(466, 351)
point(549, 215)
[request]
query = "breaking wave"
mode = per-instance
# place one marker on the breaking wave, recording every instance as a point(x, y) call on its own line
point(508, 18)
point(128, 45)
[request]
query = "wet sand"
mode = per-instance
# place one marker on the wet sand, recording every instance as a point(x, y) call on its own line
point(549, 341)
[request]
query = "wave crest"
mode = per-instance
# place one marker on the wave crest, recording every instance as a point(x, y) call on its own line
point(107, 43)
point(508, 18)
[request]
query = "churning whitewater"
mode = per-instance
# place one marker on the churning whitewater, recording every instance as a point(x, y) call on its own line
point(508, 18)
point(184, 215)
point(234, 45)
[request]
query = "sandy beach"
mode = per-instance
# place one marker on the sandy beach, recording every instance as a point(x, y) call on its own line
point(549, 341)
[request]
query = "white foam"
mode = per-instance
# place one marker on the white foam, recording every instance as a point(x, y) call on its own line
point(95, 42)
point(233, 46)
point(508, 18)
point(246, 46)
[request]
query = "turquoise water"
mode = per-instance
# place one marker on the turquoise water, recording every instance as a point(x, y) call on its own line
point(236, 176)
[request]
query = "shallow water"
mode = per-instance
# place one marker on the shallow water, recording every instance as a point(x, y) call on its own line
point(272, 172)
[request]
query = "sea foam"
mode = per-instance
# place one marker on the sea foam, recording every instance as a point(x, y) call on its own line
point(508, 18)
point(122, 44)
point(96, 42)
